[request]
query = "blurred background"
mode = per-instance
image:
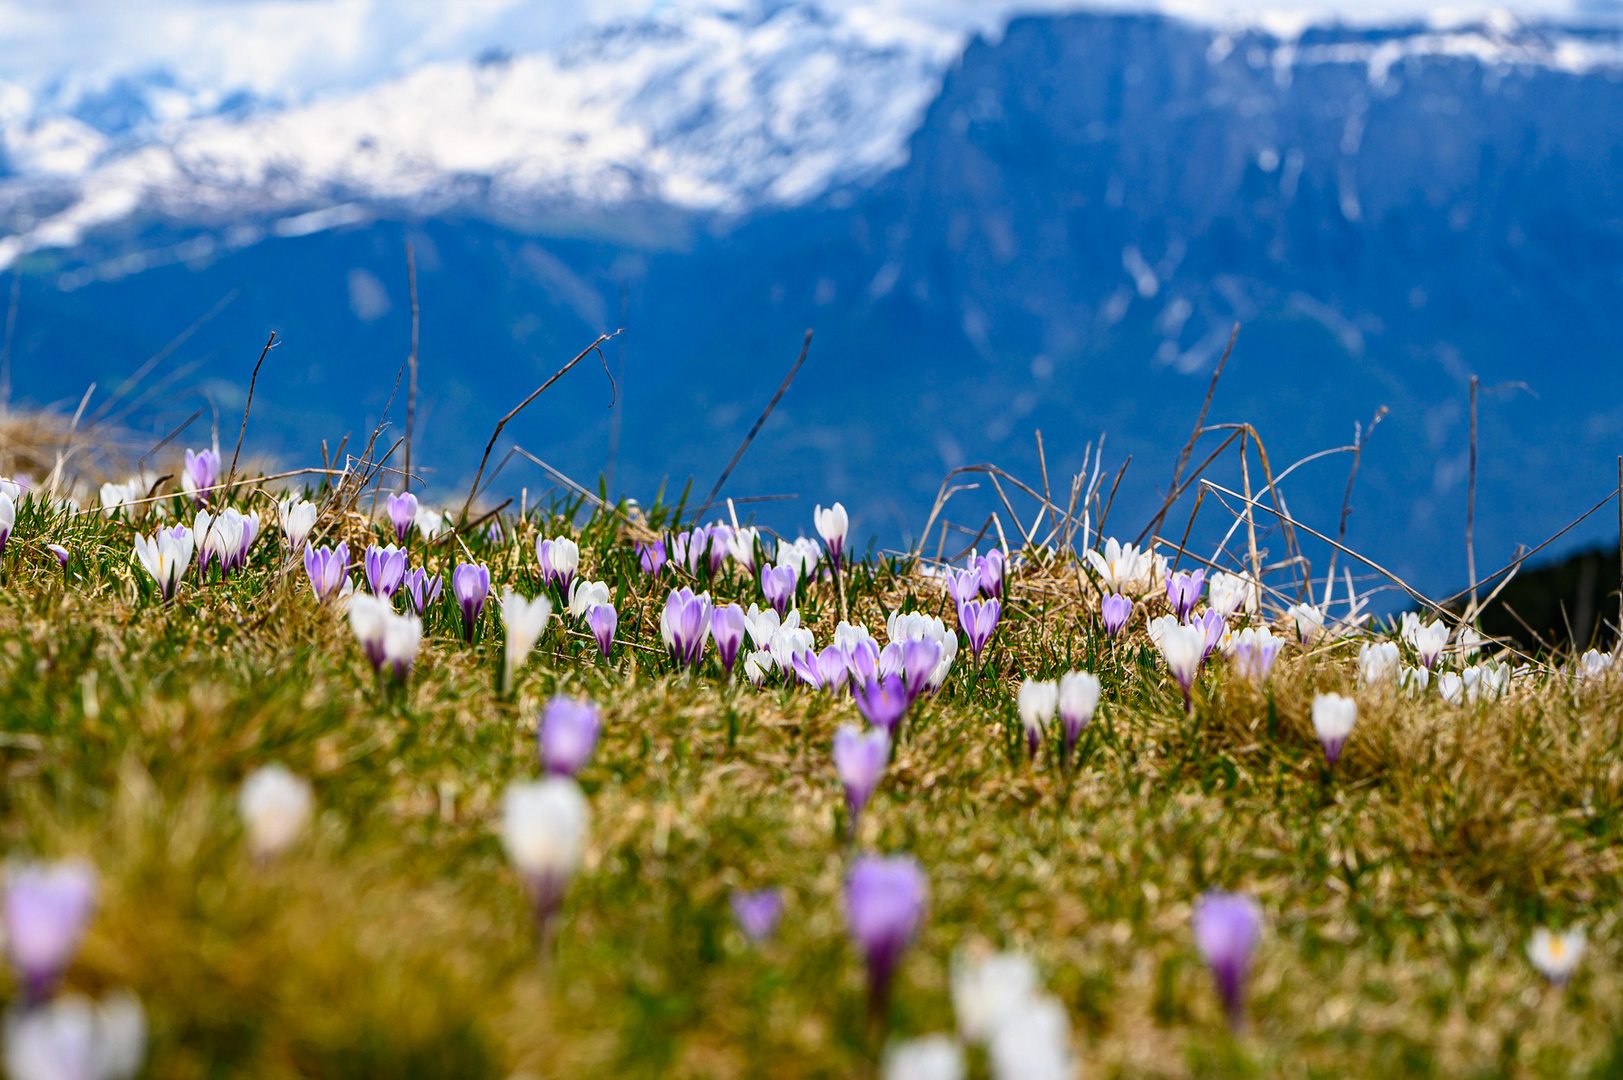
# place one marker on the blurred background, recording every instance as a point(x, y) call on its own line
point(997, 218)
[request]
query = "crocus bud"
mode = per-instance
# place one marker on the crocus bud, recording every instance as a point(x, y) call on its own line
point(832, 526)
point(1429, 642)
point(929, 1057)
point(559, 560)
point(402, 638)
point(1114, 611)
point(826, 670)
point(1309, 621)
point(523, 620)
point(402, 514)
point(326, 568)
point(859, 761)
point(721, 538)
point(885, 900)
point(757, 666)
point(778, 586)
point(979, 620)
point(73, 1038)
point(684, 624)
point(368, 618)
point(1037, 702)
point(1452, 687)
point(385, 569)
point(741, 546)
point(920, 657)
point(1227, 926)
point(1226, 593)
point(47, 908)
point(990, 569)
point(652, 557)
point(61, 553)
point(1556, 956)
point(757, 912)
point(727, 631)
point(275, 806)
point(1183, 592)
point(1254, 651)
point(602, 620)
point(543, 831)
point(165, 555)
point(586, 595)
point(421, 590)
point(298, 518)
point(470, 584)
point(567, 734)
point(1333, 718)
point(883, 703)
point(201, 473)
point(1078, 698)
point(987, 988)
point(964, 586)
point(1213, 626)
point(1183, 647)
point(430, 523)
point(1033, 1043)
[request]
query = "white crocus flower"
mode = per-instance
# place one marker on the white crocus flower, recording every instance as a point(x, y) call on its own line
point(988, 988)
point(1227, 594)
point(523, 621)
point(918, 626)
point(165, 555)
point(1414, 680)
point(1119, 566)
point(219, 536)
point(1556, 956)
point(402, 639)
point(802, 554)
point(741, 546)
point(788, 642)
point(757, 666)
point(543, 831)
point(1033, 1043)
point(1183, 647)
point(1333, 719)
point(761, 625)
point(1037, 702)
point(275, 806)
point(430, 523)
point(832, 525)
point(1378, 662)
point(1309, 622)
point(1429, 642)
point(585, 595)
point(931, 1057)
point(1452, 687)
point(1593, 664)
point(74, 1038)
point(298, 519)
point(1158, 627)
point(847, 635)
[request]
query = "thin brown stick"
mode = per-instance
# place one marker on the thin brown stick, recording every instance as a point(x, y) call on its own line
point(1099, 531)
point(1250, 516)
point(1042, 462)
point(1194, 436)
point(167, 439)
point(494, 435)
point(249, 404)
point(1177, 492)
point(1360, 439)
point(411, 394)
point(710, 500)
point(1199, 497)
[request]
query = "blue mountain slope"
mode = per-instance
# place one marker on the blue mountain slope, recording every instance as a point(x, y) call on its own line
point(1088, 207)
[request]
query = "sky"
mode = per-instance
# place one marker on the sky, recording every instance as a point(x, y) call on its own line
point(294, 50)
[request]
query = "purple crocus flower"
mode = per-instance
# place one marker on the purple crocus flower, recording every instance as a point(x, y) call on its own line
point(470, 584)
point(1183, 592)
point(979, 620)
point(60, 552)
point(652, 557)
point(757, 912)
point(826, 670)
point(883, 702)
point(46, 911)
point(559, 560)
point(885, 901)
point(402, 512)
point(385, 569)
point(727, 626)
point(421, 590)
point(859, 761)
point(964, 585)
point(684, 624)
point(721, 537)
point(1214, 626)
point(1227, 926)
point(688, 547)
point(602, 620)
point(920, 658)
point(989, 567)
point(1115, 610)
point(568, 735)
point(778, 586)
point(202, 472)
point(862, 660)
point(326, 567)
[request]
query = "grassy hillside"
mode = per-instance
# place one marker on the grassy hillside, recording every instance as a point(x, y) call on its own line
point(393, 939)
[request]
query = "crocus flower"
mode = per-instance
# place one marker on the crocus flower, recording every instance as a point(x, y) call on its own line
point(1078, 698)
point(586, 595)
point(543, 831)
point(1429, 642)
point(789, 641)
point(1333, 719)
point(470, 584)
point(421, 590)
point(1378, 662)
point(8, 519)
point(1183, 592)
point(859, 761)
point(402, 514)
point(559, 560)
point(1414, 680)
point(979, 620)
point(1556, 956)
point(385, 569)
point(567, 735)
point(688, 548)
point(46, 910)
point(1118, 566)
point(757, 666)
point(928, 1057)
point(885, 901)
point(326, 567)
point(368, 617)
point(832, 526)
point(297, 518)
point(402, 638)
point(1114, 611)
point(883, 702)
point(1183, 647)
point(684, 624)
point(741, 546)
point(62, 554)
point(1593, 664)
point(778, 586)
point(1037, 702)
point(602, 621)
point(275, 806)
point(652, 557)
point(826, 670)
point(1033, 1043)
point(803, 554)
point(74, 1038)
point(915, 626)
point(990, 569)
point(964, 586)
point(218, 537)
point(430, 523)
point(1486, 681)
point(1254, 650)
point(1452, 687)
point(201, 473)
point(727, 631)
point(914, 661)
point(1212, 625)
point(1227, 593)
point(988, 988)
point(861, 658)
point(1309, 622)
point(757, 912)
point(721, 537)
point(523, 622)
point(165, 555)
point(1227, 926)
